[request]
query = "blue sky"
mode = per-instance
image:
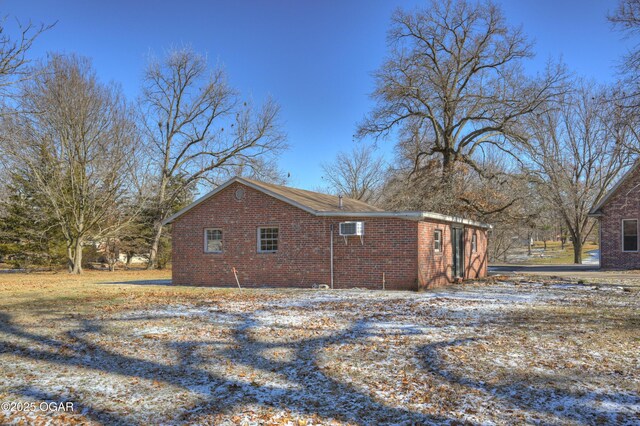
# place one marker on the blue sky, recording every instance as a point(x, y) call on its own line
point(315, 58)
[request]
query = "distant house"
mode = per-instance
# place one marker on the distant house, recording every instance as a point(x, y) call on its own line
point(618, 214)
point(279, 236)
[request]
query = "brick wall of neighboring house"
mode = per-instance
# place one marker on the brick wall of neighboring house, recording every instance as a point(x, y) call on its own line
point(623, 204)
point(389, 246)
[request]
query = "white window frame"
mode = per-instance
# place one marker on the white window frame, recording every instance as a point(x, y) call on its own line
point(259, 239)
point(206, 241)
point(474, 243)
point(637, 236)
point(437, 232)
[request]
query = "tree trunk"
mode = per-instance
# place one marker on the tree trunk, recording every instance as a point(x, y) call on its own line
point(577, 251)
point(69, 257)
point(157, 226)
point(448, 184)
point(77, 258)
point(153, 253)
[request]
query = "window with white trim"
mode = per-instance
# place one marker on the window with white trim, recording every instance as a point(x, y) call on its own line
point(437, 240)
point(629, 235)
point(474, 243)
point(213, 240)
point(267, 240)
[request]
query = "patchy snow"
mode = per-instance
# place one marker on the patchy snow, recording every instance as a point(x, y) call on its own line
point(593, 258)
point(506, 353)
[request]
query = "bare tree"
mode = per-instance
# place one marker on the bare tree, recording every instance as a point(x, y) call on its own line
point(627, 95)
point(627, 15)
point(73, 137)
point(358, 174)
point(14, 68)
point(197, 126)
point(453, 84)
point(265, 169)
point(576, 152)
point(627, 18)
point(13, 52)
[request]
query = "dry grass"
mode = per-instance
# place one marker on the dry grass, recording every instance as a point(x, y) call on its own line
point(126, 351)
point(556, 255)
point(84, 293)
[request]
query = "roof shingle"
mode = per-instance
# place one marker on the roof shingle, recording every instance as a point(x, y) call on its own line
point(316, 200)
point(325, 205)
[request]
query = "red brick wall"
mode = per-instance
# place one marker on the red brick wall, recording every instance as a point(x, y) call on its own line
point(389, 247)
point(303, 258)
point(436, 268)
point(475, 262)
point(624, 204)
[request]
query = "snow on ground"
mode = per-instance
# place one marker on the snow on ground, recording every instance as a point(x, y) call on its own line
point(593, 258)
point(506, 353)
point(522, 255)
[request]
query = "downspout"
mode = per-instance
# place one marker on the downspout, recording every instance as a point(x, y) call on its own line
point(331, 255)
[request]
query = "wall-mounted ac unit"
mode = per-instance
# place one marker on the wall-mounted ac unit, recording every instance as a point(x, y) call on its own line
point(351, 228)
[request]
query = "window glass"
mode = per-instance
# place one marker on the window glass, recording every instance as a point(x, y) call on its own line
point(474, 243)
point(630, 235)
point(437, 240)
point(213, 240)
point(268, 239)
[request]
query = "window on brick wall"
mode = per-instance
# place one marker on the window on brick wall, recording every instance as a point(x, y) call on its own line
point(267, 240)
point(437, 240)
point(474, 243)
point(213, 240)
point(630, 235)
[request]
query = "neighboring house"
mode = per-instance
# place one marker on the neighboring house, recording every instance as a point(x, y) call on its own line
point(618, 214)
point(279, 236)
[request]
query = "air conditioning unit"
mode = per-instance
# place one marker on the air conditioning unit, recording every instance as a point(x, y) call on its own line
point(351, 228)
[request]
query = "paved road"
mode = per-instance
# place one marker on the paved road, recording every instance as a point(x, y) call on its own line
point(542, 269)
point(587, 272)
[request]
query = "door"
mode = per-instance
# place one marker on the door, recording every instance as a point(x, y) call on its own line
point(457, 245)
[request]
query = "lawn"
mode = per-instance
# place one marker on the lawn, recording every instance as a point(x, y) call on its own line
point(554, 254)
point(126, 351)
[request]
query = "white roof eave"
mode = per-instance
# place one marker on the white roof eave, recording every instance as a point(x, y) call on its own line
point(409, 215)
point(595, 211)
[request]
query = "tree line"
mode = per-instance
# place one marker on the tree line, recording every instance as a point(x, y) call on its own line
point(83, 167)
point(477, 137)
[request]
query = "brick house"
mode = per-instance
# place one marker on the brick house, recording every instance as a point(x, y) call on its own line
point(279, 236)
point(618, 214)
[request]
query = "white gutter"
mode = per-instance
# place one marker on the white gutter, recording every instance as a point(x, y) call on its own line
point(411, 215)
